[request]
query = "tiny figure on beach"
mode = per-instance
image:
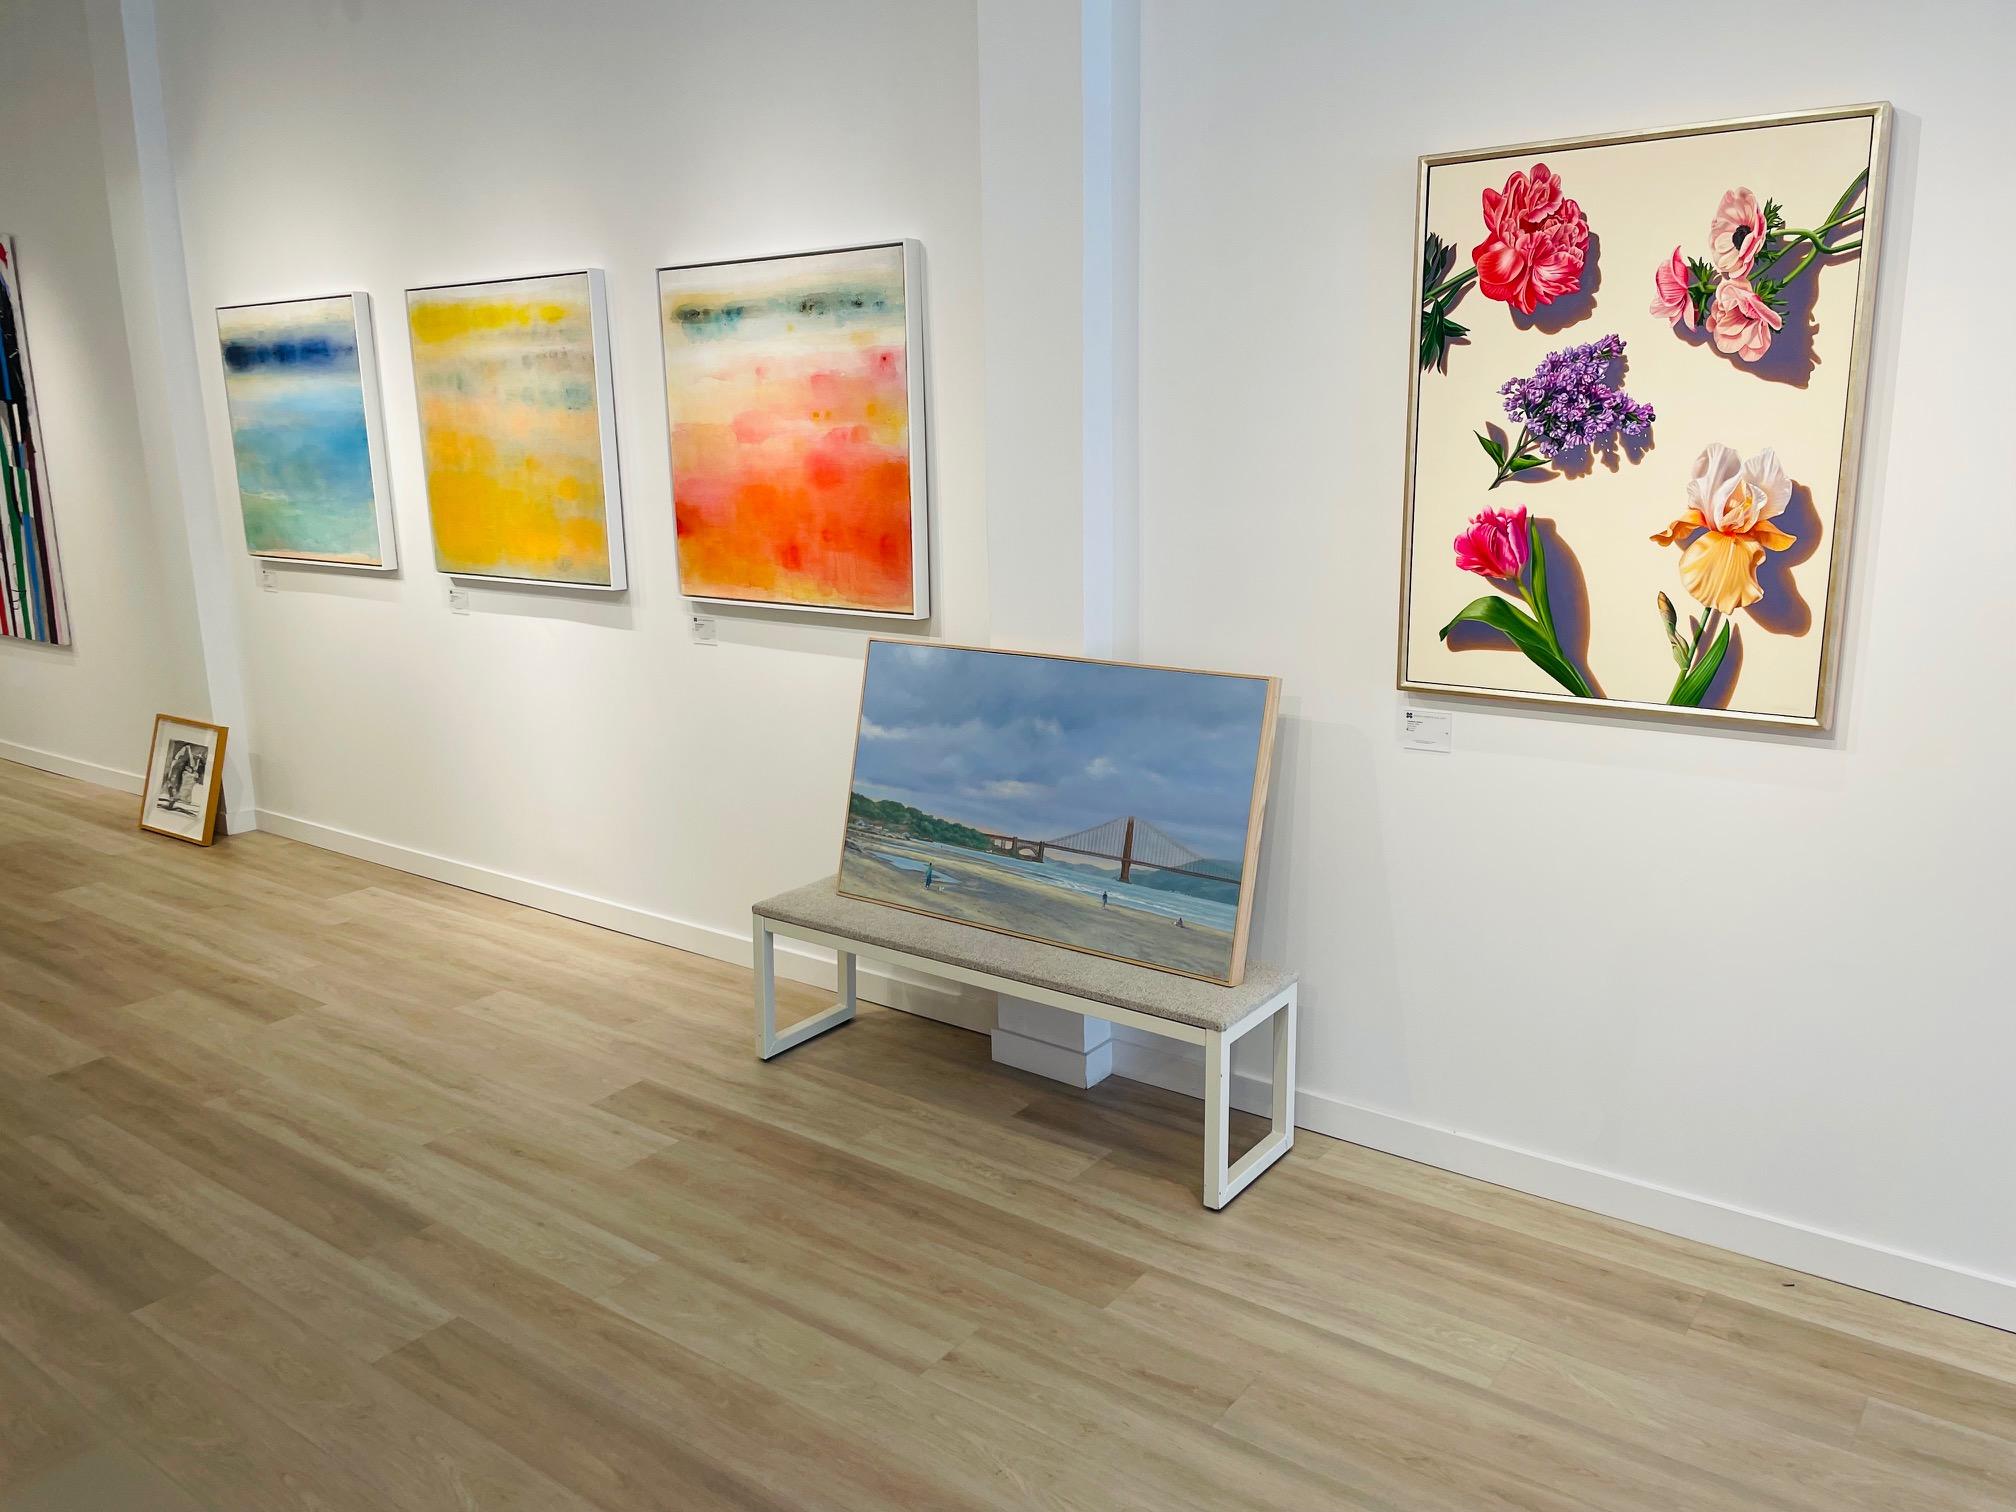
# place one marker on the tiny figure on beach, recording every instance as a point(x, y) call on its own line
point(1179, 922)
point(1102, 899)
point(929, 873)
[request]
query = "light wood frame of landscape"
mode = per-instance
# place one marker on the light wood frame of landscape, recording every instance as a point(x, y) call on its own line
point(1249, 863)
point(210, 797)
point(1879, 114)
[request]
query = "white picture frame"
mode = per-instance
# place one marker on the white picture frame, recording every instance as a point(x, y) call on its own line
point(374, 434)
point(605, 411)
point(917, 399)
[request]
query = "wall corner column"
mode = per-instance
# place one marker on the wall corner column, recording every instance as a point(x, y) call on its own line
point(154, 287)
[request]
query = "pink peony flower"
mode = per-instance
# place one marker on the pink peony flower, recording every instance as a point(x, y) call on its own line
point(1736, 233)
point(1495, 545)
point(1535, 242)
point(1742, 323)
point(1671, 301)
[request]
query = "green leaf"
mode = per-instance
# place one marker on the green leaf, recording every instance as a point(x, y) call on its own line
point(1436, 255)
point(1438, 330)
point(1524, 461)
point(1527, 634)
point(1538, 578)
point(1692, 688)
point(1491, 448)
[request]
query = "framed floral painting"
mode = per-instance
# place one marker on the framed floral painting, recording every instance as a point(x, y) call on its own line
point(1636, 388)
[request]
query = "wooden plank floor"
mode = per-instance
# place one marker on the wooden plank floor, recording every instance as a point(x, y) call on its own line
point(325, 1187)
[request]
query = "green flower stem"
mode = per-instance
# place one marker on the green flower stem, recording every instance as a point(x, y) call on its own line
point(1533, 589)
point(1841, 204)
point(1516, 450)
point(1840, 215)
point(1449, 285)
point(1704, 639)
point(1817, 249)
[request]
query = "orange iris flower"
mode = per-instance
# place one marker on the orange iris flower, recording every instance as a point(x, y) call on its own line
point(1731, 503)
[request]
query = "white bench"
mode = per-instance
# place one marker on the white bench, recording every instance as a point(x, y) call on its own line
point(1179, 1008)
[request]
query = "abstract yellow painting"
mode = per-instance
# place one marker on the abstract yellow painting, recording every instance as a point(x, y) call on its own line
point(517, 429)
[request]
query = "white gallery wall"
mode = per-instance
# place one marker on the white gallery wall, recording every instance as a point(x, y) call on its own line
point(1761, 971)
point(579, 741)
point(87, 708)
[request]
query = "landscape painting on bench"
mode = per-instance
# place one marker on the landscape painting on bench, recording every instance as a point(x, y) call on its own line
point(1101, 806)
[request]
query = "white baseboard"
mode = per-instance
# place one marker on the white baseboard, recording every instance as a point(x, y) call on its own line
point(1854, 1262)
point(71, 766)
point(795, 962)
point(1837, 1257)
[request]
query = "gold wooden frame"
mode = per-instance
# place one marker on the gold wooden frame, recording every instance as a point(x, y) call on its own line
point(1879, 113)
point(211, 799)
point(1255, 813)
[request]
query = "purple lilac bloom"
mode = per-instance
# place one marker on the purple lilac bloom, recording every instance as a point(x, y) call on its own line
point(1567, 404)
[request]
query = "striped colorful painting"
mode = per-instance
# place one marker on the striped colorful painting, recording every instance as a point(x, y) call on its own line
point(794, 403)
point(517, 431)
point(31, 601)
point(300, 384)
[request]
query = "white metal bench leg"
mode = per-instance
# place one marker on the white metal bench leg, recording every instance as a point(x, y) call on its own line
point(768, 1041)
point(1223, 1182)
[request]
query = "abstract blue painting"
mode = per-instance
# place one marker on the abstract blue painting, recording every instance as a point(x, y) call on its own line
point(301, 385)
point(1098, 805)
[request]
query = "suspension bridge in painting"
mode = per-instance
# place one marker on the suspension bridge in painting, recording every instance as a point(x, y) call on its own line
point(1130, 841)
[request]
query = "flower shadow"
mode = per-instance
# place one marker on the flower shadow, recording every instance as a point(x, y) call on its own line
point(1792, 358)
point(1468, 635)
point(1559, 314)
point(1783, 610)
point(1568, 596)
point(1613, 451)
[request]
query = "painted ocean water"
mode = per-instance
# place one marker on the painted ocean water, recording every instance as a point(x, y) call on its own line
point(1148, 900)
point(295, 390)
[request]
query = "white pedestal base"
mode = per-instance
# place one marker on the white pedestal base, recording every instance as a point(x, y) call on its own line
point(1052, 1042)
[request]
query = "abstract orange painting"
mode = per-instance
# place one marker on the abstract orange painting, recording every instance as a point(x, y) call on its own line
point(795, 404)
point(517, 430)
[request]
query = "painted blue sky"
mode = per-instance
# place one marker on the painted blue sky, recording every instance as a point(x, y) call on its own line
point(1040, 748)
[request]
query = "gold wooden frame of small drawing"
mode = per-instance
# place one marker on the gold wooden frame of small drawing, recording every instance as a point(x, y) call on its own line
point(213, 784)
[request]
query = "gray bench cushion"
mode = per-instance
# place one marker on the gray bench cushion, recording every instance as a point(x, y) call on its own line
point(1159, 994)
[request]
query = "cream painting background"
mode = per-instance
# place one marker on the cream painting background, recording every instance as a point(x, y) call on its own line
point(1642, 199)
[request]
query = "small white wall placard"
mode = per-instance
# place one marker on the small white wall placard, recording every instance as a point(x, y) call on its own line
point(1427, 729)
point(268, 581)
point(704, 630)
point(458, 599)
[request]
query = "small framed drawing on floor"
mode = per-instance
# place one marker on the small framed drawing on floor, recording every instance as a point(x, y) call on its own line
point(185, 776)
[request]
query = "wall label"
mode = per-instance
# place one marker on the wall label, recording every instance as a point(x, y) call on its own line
point(1427, 729)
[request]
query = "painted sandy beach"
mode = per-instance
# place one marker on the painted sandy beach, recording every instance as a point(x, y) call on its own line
point(976, 888)
point(1096, 805)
